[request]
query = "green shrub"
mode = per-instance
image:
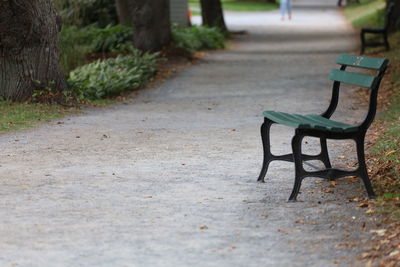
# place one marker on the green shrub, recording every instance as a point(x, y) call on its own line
point(112, 39)
point(110, 77)
point(197, 38)
point(76, 43)
point(86, 12)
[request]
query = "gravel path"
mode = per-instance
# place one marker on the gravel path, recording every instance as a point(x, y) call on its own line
point(170, 179)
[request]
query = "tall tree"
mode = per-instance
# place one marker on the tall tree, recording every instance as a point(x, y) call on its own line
point(212, 14)
point(151, 24)
point(29, 57)
point(124, 14)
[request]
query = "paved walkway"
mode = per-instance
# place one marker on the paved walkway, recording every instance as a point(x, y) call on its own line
point(170, 179)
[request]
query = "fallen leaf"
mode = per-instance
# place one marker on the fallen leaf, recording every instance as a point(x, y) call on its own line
point(362, 205)
point(380, 232)
point(369, 211)
point(391, 152)
point(394, 253)
point(283, 231)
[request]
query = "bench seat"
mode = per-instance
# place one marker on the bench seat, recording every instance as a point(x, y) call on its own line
point(309, 121)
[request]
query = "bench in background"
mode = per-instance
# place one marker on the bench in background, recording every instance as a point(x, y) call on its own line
point(383, 32)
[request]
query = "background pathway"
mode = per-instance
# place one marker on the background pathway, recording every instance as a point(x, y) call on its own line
point(170, 179)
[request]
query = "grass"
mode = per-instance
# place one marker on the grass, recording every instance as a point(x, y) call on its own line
point(386, 150)
point(240, 5)
point(384, 156)
point(367, 14)
point(18, 116)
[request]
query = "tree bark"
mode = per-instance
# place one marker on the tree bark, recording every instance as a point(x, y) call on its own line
point(151, 24)
point(212, 14)
point(29, 57)
point(394, 22)
point(124, 14)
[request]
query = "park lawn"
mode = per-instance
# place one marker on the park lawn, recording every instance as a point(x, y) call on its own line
point(240, 5)
point(367, 14)
point(17, 116)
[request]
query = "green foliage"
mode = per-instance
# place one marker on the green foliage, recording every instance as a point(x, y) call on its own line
point(16, 116)
point(197, 38)
point(366, 14)
point(112, 39)
point(110, 77)
point(76, 43)
point(86, 12)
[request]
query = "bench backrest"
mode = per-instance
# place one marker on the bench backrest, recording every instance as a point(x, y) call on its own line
point(370, 81)
point(388, 15)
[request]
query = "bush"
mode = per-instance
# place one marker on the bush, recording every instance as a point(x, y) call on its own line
point(197, 38)
point(112, 39)
point(76, 43)
point(86, 12)
point(110, 77)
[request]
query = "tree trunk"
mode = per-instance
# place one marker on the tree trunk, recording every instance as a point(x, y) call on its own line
point(29, 57)
point(124, 14)
point(394, 23)
point(151, 24)
point(212, 14)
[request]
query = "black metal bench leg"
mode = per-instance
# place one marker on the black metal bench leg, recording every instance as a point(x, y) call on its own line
point(362, 35)
point(386, 41)
point(265, 133)
point(298, 163)
point(324, 153)
point(362, 167)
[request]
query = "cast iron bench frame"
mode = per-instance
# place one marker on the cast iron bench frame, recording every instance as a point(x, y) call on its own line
point(378, 31)
point(322, 127)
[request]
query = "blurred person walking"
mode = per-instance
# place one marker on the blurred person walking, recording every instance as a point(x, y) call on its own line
point(286, 8)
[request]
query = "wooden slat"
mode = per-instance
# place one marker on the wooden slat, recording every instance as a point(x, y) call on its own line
point(310, 121)
point(353, 78)
point(362, 62)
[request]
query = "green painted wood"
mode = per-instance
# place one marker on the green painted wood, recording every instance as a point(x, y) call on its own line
point(310, 121)
point(353, 78)
point(362, 62)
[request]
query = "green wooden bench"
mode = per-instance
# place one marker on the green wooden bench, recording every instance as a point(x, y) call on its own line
point(382, 32)
point(324, 128)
